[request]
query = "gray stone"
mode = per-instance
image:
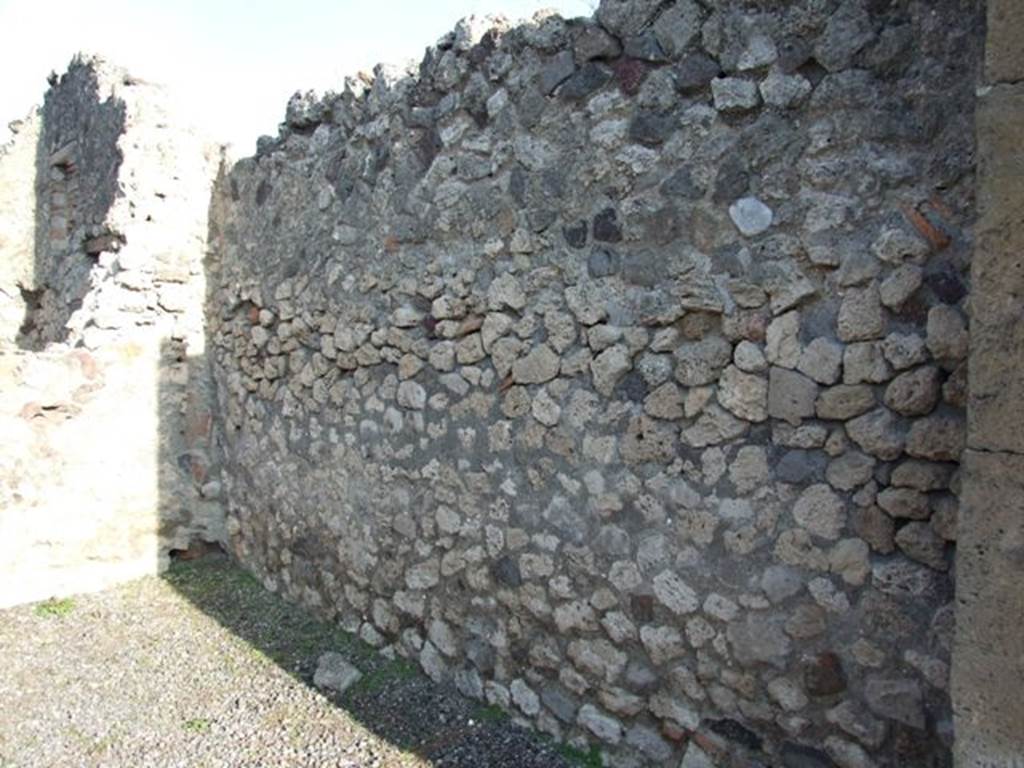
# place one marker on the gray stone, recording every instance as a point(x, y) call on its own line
point(857, 267)
point(675, 594)
point(904, 503)
point(947, 334)
point(649, 742)
point(821, 511)
point(914, 393)
point(663, 644)
point(594, 43)
point(850, 471)
point(822, 361)
point(715, 425)
point(677, 27)
point(334, 673)
point(626, 17)
point(920, 542)
point(750, 215)
point(791, 396)
point(784, 91)
point(857, 722)
point(539, 366)
point(743, 394)
point(603, 262)
point(749, 357)
point(756, 639)
point(875, 527)
point(734, 94)
point(556, 71)
point(505, 291)
point(861, 316)
point(598, 658)
point(586, 81)
point(903, 579)
point(846, 754)
point(848, 30)
point(903, 350)
point(900, 285)
point(782, 345)
point(696, 757)
point(896, 699)
point(922, 475)
point(878, 434)
point(798, 466)
point(609, 367)
point(524, 697)
point(665, 402)
point(865, 362)
point(779, 583)
point(937, 438)
point(695, 72)
point(699, 363)
point(412, 396)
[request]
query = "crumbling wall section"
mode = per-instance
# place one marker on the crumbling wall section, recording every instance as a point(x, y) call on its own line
point(17, 235)
point(614, 369)
point(104, 388)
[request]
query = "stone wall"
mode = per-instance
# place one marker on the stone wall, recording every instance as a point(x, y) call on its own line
point(104, 400)
point(989, 658)
point(17, 235)
point(616, 370)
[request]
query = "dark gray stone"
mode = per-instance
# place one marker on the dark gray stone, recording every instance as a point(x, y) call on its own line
point(506, 572)
point(606, 226)
point(561, 703)
point(696, 72)
point(652, 128)
point(576, 234)
point(645, 268)
point(799, 756)
point(732, 180)
point(801, 467)
point(587, 80)
point(794, 52)
point(556, 71)
point(603, 262)
point(644, 47)
point(681, 184)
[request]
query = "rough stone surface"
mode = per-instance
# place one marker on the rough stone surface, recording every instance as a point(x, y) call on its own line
point(335, 673)
point(535, 364)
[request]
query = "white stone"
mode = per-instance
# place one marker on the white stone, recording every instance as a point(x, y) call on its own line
point(751, 216)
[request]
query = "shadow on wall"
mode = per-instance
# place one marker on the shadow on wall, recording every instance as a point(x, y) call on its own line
point(78, 163)
point(430, 724)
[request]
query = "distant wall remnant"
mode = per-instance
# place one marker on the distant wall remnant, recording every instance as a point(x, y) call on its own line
point(18, 230)
point(989, 654)
point(103, 397)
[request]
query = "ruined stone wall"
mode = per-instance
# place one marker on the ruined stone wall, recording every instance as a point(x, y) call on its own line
point(17, 234)
point(615, 370)
point(104, 398)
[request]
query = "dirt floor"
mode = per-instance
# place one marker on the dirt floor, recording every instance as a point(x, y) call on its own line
point(204, 668)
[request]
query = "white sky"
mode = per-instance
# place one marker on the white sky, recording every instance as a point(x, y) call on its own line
point(234, 63)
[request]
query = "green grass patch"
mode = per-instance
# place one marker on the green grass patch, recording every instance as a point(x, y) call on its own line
point(276, 630)
point(197, 725)
point(395, 671)
point(54, 607)
point(490, 714)
point(590, 759)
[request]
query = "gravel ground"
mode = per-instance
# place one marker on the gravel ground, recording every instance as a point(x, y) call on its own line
point(204, 668)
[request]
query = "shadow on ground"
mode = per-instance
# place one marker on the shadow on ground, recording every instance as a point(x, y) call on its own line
point(392, 700)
